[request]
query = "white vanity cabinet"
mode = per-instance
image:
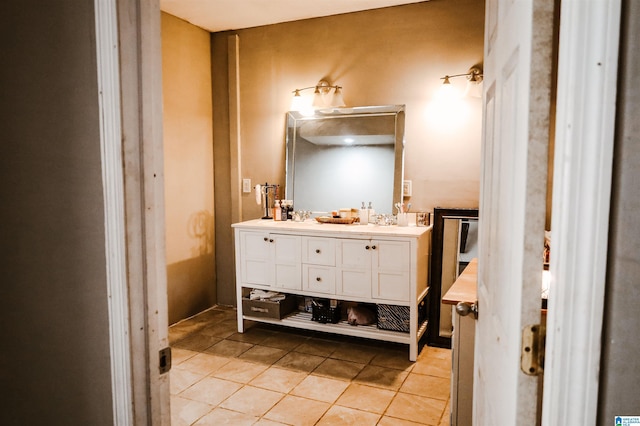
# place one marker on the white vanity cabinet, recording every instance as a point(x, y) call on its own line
point(356, 263)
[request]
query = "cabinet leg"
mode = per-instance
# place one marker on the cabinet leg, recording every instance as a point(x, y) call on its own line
point(413, 351)
point(240, 322)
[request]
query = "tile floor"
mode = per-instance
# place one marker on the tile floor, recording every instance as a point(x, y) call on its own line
point(273, 375)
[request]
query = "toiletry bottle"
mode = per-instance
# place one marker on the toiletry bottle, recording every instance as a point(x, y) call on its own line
point(372, 212)
point(277, 211)
point(283, 210)
point(290, 209)
point(364, 215)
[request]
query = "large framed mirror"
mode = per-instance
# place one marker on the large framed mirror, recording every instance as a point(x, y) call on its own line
point(343, 157)
point(454, 245)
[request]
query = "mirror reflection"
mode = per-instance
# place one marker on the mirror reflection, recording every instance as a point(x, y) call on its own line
point(454, 245)
point(343, 157)
point(459, 246)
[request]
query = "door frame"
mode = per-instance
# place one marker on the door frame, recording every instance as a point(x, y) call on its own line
point(584, 137)
point(129, 61)
point(108, 77)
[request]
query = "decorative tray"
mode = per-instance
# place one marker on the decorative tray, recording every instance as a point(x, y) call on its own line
point(339, 220)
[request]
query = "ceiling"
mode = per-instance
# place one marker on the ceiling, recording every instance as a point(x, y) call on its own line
point(221, 15)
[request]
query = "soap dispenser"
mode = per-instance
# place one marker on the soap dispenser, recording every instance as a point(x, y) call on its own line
point(277, 211)
point(372, 212)
point(363, 215)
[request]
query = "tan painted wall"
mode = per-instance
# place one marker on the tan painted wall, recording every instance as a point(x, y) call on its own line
point(387, 56)
point(188, 153)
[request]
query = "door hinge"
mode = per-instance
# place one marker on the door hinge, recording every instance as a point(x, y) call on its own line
point(165, 360)
point(532, 351)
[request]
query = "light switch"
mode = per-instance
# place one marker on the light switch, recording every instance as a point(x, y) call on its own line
point(406, 188)
point(246, 185)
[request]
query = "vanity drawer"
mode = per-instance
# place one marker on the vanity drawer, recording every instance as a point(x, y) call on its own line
point(320, 279)
point(319, 251)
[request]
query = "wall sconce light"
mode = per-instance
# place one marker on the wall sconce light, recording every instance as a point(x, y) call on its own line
point(474, 79)
point(322, 98)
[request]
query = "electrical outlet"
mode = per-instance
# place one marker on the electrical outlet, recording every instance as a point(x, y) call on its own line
point(406, 188)
point(246, 185)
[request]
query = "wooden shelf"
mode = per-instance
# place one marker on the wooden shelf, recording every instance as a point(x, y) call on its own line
point(303, 320)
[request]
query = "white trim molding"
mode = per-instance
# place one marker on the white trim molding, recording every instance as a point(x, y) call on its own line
point(113, 187)
point(586, 101)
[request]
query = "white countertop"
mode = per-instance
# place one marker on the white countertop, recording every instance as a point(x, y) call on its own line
point(313, 226)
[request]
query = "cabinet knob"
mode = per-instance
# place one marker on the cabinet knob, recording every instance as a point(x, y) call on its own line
point(318, 251)
point(270, 240)
point(266, 239)
point(373, 247)
point(367, 247)
point(318, 279)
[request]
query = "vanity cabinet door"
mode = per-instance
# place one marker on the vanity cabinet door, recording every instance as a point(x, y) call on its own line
point(270, 260)
point(254, 258)
point(286, 270)
point(353, 272)
point(391, 263)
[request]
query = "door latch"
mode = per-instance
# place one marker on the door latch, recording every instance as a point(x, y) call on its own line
point(165, 360)
point(532, 351)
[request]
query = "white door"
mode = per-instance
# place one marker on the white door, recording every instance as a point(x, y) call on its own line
point(517, 81)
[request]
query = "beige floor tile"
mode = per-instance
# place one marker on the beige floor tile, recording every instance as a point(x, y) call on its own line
point(185, 412)
point(433, 352)
point(348, 416)
point(267, 422)
point(211, 390)
point(251, 400)
point(318, 347)
point(388, 378)
point(239, 371)
point(183, 329)
point(320, 388)
point(222, 329)
point(432, 366)
point(354, 353)
point(220, 416)
point(392, 421)
point(263, 354)
point(299, 361)
point(398, 359)
point(251, 335)
point(278, 379)
point(196, 342)
point(284, 341)
point(416, 408)
point(297, 411)
point(429, 386)
point(366, 398)
point(229, 348)
point(339, 369)
point(178, 355)
point(182, 379)
point(203, 363)
point(446, 416)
